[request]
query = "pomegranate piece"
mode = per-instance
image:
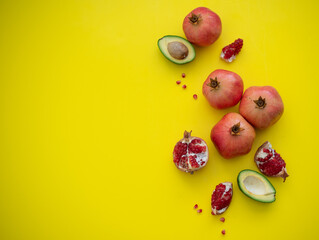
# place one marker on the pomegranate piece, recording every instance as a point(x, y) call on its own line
point(178, 82)
point(261, 106)
point(230, 51)
point(190, 153)
point(233, 136)
point(196, 206)
point(221, 197)
point(222, 219)
point(202, 26)
point(223, 89)
point(269, 162)
point(223, 232)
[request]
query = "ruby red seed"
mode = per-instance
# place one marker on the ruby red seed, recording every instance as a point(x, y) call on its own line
point(199, 210)
point(196, 206)
point(222, 219)
point(178, 82)
point(223, 231)
point(184, 86)
point(195, 96)
point(183, 75)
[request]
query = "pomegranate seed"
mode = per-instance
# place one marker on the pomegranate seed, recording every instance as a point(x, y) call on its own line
point(195, 96)
point(183, 75)
point(223, 231)
point(199, 210)
point(222, 219)
point(196, 206)
point(184, 86)
point(178, 82)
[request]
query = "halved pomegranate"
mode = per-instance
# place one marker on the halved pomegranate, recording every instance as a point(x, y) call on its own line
point(190, 153)
point(221, 197)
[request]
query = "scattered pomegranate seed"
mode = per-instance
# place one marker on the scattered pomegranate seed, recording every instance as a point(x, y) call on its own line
point(178, 82)
point(183, 75)
point(196, 206)
point(199, 210)
point(184, 86)
point(195, 96)
point(223, 231)
point(222, 219)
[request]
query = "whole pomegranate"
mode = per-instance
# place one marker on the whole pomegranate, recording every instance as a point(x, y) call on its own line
point(190, 153)
point(269, 162)
point(233, 136)
point(261, 106)
point(221, 197)
point(202, 26)
point(223, 89)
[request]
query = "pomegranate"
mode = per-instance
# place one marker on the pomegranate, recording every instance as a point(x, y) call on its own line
point(221, 197)
point(233, 136)
point(223, 89)
point(261, 106)
point(230, 51)
point(269, 162)
point(190, 153)
point(202, 26)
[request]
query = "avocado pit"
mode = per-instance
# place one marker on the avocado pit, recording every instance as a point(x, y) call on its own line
point(177, 50)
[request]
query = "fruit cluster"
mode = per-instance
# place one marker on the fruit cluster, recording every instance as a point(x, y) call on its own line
point(260, 107)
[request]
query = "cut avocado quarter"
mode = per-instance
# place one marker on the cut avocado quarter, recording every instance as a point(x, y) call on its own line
point(176, 49)
point(256, 186)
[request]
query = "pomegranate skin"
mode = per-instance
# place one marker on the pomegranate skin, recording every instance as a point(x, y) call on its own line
point(202, 26)
point(261, 106)
point(223, 89)
point(233, 136)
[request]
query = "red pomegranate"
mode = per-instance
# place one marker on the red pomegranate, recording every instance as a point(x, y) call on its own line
point(269, 162)
point(202, 26)
point(223, 89)
point(261, 106)
point(233, 136)
point(221, 198)
point(190, 153)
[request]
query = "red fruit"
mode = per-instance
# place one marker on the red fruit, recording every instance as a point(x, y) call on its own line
point(223, 231)
point(230, 51)
point(261, 106)
point(202, 26)
point(233, 136)
point(223, 89)
point(190, 153)
point(269, 162)
point(221, 197)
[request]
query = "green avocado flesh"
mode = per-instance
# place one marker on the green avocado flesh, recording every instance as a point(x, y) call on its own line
point(256, 186)
point(176, 49)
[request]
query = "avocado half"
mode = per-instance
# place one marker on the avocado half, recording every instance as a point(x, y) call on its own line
point(176, 49)
point(256, 186)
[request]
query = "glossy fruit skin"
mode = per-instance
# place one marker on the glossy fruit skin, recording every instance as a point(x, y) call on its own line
point(229, 143)
point(205, 30)
point(265, 116)
point(228, 90)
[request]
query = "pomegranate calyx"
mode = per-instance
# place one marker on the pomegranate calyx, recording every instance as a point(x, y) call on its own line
point(236, 129)
point(187, 135)
point(284, 174)
point(214, 84)
point(260, 102)
point(195, 19)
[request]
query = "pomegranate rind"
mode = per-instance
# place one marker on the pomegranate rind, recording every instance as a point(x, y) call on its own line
point(229, 189)
point(266, 145)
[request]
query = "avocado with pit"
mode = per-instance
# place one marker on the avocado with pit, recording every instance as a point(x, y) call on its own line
point(176, 49)
point(256, 186)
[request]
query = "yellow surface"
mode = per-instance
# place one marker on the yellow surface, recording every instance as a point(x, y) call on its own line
point(90, 113)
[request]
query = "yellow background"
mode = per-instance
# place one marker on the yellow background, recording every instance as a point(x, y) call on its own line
point(90, 113)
